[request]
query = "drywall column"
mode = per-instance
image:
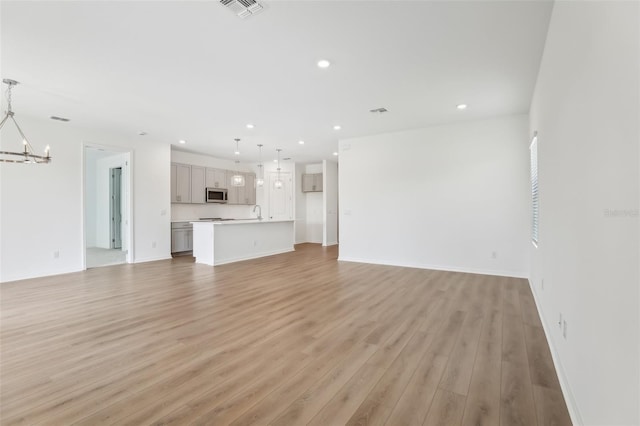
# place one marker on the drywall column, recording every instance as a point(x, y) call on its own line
point(329, 203)
point(586, 110)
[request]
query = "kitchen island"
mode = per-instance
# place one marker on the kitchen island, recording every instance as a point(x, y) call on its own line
point(220, 242)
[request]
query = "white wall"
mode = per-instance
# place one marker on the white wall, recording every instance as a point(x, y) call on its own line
point(42, 206)
point(586, 111)
point(445, 197)
point(329, 203)
point(314, 208)
point(300, 206)
point(91, 158)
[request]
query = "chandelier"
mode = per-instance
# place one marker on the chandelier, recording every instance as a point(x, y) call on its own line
point(278, 183)
point(26, 155)
point(260, 179)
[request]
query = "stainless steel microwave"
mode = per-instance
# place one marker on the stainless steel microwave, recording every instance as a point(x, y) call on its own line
point(216, 195)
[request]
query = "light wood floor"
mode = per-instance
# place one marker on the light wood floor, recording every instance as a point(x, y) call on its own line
point(292, 339)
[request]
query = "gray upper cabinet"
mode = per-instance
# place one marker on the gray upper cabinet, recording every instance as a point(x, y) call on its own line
point(197, 185)
point(312, 182)
point(242, 194)
point(180, 183)
point(216, 178)
point(250, 188)
point(189, 183)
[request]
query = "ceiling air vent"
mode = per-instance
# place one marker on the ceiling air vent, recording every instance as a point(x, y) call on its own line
point(378, 110)
point(243, 8)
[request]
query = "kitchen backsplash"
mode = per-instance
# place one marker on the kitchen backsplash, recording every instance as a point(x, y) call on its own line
point(196, 211)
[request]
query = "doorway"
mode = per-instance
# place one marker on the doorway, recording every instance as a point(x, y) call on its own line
point(115, 209)
point(107, 206)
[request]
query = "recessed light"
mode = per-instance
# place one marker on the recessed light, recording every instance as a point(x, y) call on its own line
point(323, 63)
point(250, 126)
point(335, 153)
point(182, 141)
point(301, 142)
point(336, 127)
point(275, 161)
point(461, 106)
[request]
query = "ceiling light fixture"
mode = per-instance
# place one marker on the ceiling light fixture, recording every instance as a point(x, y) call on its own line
point(337, 127)
point(260, 178)
point(27, 155)
point(182, 141)
point(278, 183)
point(461, 106)
point(237, 151)
point(250, 126)
point(301, 142)
point(323, 63)
point(238, 178)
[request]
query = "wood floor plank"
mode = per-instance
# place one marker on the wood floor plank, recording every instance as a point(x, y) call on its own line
point(551, 408)
point(414, 403)
point(541, 366)
point(290, 339)
point(446, 409)
point(516, 396)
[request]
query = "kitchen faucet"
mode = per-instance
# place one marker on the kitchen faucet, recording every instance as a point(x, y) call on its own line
point(257, 206)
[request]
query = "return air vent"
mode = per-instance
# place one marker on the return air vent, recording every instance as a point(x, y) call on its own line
point(243, 8)
point(378, 110)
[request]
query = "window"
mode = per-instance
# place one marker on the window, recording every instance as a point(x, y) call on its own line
point(535, 215)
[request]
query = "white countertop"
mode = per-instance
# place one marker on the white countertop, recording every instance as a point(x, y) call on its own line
point(238, 221)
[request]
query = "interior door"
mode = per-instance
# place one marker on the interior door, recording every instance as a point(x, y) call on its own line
point(115, 192)
point(280, 199)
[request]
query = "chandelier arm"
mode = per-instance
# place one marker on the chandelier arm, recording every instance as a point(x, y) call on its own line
point(24, 138)
point(4, 120)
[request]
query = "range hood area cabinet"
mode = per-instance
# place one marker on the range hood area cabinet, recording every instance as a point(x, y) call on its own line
point(312, 182)
point(242, 194)
point(189, 183)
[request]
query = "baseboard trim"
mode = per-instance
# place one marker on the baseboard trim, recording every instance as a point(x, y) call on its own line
point(332, 243)
point(152, 259)
point(498, 273)
point(572, 406)
point(30, 277)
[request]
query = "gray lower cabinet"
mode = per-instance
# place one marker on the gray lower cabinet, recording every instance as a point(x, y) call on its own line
point(181, 237)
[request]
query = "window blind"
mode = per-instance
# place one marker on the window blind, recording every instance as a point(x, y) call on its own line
point(535, 214)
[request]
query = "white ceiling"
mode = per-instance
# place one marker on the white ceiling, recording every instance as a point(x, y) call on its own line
point(193, 70)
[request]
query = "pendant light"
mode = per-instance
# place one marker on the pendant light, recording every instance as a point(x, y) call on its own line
point(238, 178)
point(26, 155)
point(278, 183)
point(260, 177)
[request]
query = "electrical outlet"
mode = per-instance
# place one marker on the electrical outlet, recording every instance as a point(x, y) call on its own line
point(494, 254)
point(153, 244)
point(564, 329)
point(56, 254)
point(255, 243)
point(542, 283)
